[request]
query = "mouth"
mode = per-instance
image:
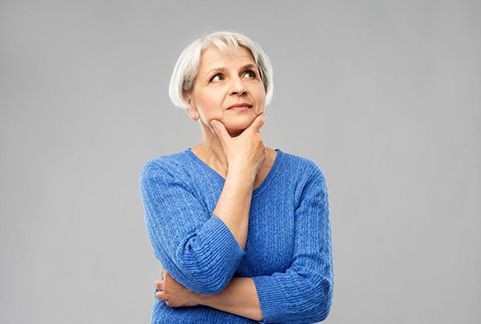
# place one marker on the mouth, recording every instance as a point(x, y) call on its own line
point(239, 106)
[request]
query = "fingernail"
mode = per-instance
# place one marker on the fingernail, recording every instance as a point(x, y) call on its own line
point(213, 123)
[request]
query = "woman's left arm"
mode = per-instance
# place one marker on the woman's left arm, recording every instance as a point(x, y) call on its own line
point(304, 292)
point(239, 297)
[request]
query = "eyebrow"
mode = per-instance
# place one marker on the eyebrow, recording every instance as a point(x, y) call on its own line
point(250, 65)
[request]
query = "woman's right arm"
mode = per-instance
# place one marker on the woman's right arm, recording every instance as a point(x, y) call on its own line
point(201, 249)
point(234, 204)
point(245, 155)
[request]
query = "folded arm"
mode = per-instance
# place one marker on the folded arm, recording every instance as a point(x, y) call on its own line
point(200, 252)
point(193, 245)
point(239, 298)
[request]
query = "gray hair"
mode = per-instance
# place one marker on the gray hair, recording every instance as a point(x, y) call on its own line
point(187, 66)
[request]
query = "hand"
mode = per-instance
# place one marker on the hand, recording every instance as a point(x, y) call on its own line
point(174, 293)
point(247, 150)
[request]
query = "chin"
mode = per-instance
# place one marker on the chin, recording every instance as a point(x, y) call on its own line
point(239, 123)
point(236, 131)
point(238, 126)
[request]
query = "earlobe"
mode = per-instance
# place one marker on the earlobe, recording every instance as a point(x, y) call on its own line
point(192, 114)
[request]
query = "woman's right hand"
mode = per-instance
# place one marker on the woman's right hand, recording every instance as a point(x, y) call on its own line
point(245, 152)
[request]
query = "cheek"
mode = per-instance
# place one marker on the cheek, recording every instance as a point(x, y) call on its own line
point(210, 102)
point(260, 94)
point(210, 105)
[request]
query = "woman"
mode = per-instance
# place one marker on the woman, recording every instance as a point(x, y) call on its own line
point(242, 230)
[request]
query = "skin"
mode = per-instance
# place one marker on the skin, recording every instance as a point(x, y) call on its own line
point(213, 93)
point(234, 148)
point(239, 297)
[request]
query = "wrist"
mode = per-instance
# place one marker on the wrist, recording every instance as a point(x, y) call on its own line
point(241, 175)
point(201, 299)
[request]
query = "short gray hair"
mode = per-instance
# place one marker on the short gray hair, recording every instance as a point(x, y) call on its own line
point(187, 66)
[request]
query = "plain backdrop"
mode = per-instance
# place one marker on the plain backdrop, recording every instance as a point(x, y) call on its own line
point(384, 95)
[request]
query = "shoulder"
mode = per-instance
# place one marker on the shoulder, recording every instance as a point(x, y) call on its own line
point(168, 165)
point(306, 169)
point(306, 178)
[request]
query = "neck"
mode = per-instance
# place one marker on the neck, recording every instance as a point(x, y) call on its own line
point(211, 150)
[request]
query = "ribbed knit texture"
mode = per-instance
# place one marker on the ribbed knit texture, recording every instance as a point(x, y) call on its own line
point(288, 252)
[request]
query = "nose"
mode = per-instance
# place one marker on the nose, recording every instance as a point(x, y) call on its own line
point(238, 86)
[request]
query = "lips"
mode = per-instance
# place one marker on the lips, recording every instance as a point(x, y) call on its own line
point(240, 105)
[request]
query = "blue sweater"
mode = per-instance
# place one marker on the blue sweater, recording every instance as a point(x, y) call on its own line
point(288, 251)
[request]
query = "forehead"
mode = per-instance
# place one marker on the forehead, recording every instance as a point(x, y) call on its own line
point(213, 57)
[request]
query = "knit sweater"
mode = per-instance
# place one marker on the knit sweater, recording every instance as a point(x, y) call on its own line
point(288, 251)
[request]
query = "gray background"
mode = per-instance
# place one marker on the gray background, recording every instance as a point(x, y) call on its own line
point(384, 95)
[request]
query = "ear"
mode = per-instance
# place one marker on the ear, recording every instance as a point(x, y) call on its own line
point(187, 96)
point(192, 114)
point(191, 110)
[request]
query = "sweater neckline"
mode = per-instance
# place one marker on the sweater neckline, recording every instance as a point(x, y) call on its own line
point(265, 183)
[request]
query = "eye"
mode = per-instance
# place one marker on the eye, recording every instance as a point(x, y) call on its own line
point(252, 73)
point(218, 74)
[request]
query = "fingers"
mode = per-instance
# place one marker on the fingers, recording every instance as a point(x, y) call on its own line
point(158, 285)
point(160, 289)
point(220, 131)
point(160, 295)
point(164, 274)
point(258, 122)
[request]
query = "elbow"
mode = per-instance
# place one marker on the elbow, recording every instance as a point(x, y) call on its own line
point(204, 281)
point(323, 315)
point(200, 282)
point(207, 280)
point(207, 275)
point(219, 286)
point(211, 287)
point(323, 306)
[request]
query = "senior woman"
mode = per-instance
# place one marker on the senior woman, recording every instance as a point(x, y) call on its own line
point(241, 230)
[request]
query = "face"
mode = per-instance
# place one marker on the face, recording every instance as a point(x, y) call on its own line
point(225, 79)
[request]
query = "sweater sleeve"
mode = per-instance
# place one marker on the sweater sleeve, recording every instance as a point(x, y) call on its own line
point(304, 292)
point(192, 244)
